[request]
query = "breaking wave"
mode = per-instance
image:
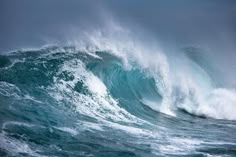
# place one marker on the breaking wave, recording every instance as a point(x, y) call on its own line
point(106, 82)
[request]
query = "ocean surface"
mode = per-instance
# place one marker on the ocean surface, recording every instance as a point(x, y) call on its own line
point(110, 99)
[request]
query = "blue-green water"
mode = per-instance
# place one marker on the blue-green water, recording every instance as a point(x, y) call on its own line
point(63, 101)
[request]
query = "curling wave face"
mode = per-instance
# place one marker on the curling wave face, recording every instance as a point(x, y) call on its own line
point(111, 97)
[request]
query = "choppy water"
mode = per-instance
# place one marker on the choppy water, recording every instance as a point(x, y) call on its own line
point(103, 101)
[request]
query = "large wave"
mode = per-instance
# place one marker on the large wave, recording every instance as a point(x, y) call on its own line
point(101, 66)
point(103, 82)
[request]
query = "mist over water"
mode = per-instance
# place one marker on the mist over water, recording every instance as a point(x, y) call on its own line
point(110, 78)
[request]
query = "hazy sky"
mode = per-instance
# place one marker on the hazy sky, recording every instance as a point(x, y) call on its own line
point(29, 22)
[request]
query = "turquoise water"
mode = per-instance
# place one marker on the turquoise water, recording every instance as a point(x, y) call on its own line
point(61, 101)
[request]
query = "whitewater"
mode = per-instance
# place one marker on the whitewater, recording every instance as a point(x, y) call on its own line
point(112, 94)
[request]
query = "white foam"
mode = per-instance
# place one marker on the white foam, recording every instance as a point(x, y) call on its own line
point(28, 97)
point(5, 124)
point(9, 90)
point(90, 126)
point(180, 146)
point(97, 103)
point(71, 131)
point(14, 147)
point(96, 86)
point(197, 95)
point(220, 104)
